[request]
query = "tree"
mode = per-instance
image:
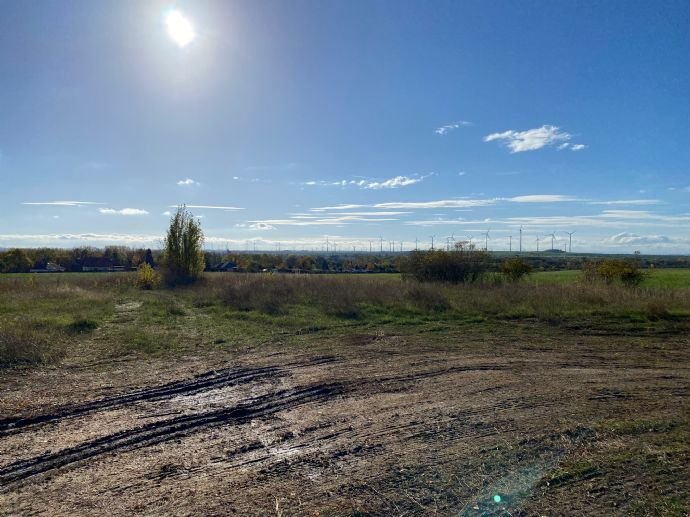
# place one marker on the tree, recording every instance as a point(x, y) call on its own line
point(148, 258)
point(183, 257)
point(15, 261)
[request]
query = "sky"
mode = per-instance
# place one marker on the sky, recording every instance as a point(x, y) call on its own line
point(281, 124)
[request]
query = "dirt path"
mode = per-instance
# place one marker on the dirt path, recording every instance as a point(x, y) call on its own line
point(377, 424)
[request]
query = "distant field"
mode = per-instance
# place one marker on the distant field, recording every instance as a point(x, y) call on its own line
point(671, 278)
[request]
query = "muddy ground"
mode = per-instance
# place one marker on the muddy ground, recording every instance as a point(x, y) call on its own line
point(552, 423)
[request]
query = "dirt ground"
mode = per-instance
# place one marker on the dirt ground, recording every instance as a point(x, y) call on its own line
point(503, 423)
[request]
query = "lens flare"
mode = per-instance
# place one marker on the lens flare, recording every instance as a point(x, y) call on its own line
point(180, 29)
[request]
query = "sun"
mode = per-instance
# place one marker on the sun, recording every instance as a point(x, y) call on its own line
point(180, 29)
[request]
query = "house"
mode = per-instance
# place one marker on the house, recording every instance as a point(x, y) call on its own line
point(225, 266)
point(97, 264)
point(50, 267)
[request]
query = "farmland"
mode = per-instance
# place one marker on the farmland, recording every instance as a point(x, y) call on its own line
point(344, 395)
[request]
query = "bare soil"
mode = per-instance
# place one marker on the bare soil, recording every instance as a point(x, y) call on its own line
point(438, 423)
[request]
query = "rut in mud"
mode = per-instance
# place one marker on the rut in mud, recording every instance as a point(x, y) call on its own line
point(158, 432)
point(215, 379)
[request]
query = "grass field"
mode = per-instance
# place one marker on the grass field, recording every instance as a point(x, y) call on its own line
point(665, 278)
point(344, 395)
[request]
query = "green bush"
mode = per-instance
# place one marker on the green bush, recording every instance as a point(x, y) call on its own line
point(515, 269)
point(462, 266)
point(626, 272)
point(147, 278)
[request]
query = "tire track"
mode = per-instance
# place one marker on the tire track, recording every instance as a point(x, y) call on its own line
point(212, 380)
point(163, 431)
point(203, 382)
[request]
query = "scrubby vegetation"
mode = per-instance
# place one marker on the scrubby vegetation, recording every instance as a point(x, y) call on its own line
point(515, 268)
point(461, 266)
point(39, 314)
point(147, 277)
point(626, 272)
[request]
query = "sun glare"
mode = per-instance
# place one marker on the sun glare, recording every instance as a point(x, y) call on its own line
point(180, 29)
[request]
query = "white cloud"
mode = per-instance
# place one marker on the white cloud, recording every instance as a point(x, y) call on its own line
point(262, 226)
point(84, 237)
point(211, 207)
point(443, 203)
point(531, 139)
point(167, 213)
point(324, 220)
point(627, 202)
point(336, 207)
point(541, 198)
point(451, 127)
point(461, 173)
point(124, 211)
point(578, 147)
point(188, 182)
point(628, 239)
point(398, 181)
point(63, 203)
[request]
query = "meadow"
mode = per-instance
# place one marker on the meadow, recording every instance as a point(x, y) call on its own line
point(361, 394)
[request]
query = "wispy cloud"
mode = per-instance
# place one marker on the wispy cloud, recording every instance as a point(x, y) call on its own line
point(325, 220)
point(442, 203)
point(534, 139)
point(542, 198)
point(62, 203)
point(627, 202)
point(188, 182)
point(632, 239)
point(211, 207)
point(262, 226)
point(373, 184)
point(443, 130)
point(398, 181)
point(124, 211)
point(167, 213)
point(336, 207)
point(83, 237)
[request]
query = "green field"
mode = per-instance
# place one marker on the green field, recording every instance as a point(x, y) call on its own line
point(666, 278)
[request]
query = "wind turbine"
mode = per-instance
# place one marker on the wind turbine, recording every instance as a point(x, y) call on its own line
point(432, 242)
point(520, 239)
point(510, 243)
point(570, 241)
point(486, 241)
point(537, 244)
point(381, 244)
point(553, 236)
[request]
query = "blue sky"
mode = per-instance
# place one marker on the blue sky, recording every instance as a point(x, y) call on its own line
point(289, 122)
